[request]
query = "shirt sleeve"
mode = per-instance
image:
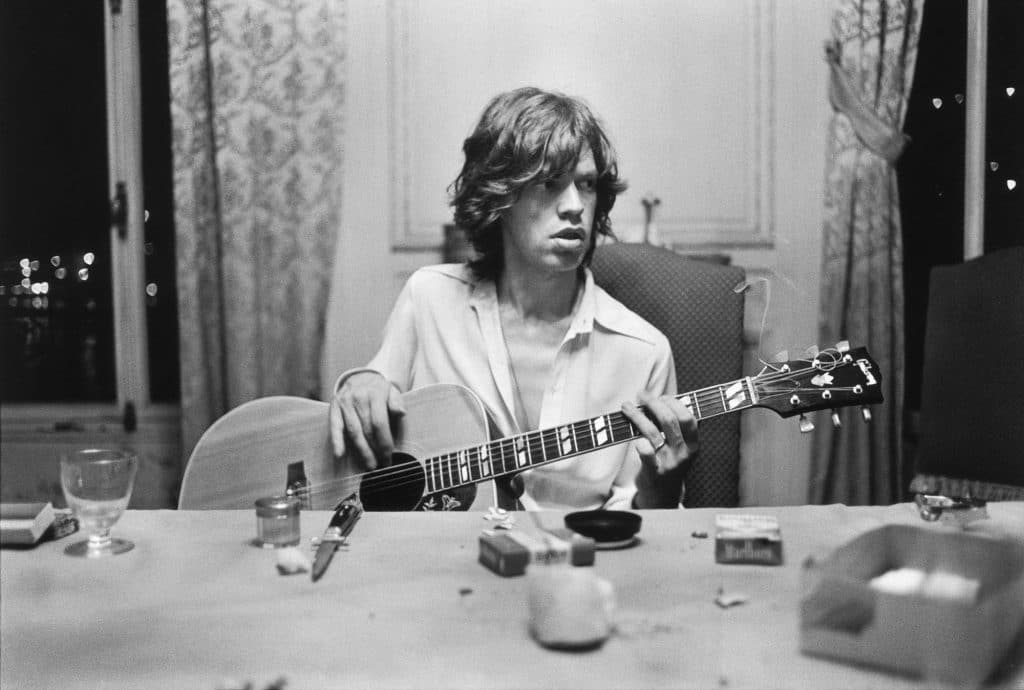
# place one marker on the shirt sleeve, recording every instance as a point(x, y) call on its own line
point(661, 381)
point(396, 357)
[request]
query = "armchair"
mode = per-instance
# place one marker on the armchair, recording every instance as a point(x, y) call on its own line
point(693, 303)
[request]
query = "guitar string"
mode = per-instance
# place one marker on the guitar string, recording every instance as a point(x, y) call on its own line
point(414, 472)
point(543, 437)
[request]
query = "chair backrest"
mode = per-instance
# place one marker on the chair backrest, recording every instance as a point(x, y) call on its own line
point(693, 303)
point(972, 384)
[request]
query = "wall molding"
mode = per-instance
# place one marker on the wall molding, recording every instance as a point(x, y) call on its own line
point(749, 229)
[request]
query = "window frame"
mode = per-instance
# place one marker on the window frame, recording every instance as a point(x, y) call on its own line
point(133, 406)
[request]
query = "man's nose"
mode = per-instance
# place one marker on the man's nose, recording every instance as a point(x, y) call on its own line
point(570, 204)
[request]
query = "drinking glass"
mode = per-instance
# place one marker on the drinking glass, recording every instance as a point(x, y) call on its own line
point(97, 485)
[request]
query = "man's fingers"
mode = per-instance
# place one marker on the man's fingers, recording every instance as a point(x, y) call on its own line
point(687, 425)
point(665, 418)
point(648, 429)
point(380, 427)
point(337, 429)
point(395, 404)
point(664, 423)
point(357, 437)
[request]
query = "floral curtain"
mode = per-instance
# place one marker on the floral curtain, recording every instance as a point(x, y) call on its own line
point(871, 58)
point(257, 93)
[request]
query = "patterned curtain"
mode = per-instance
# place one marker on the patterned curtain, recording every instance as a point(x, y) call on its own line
point(871, 58)
point(257, 93)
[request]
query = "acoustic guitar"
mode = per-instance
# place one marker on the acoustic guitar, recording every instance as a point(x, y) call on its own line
point(443, 448)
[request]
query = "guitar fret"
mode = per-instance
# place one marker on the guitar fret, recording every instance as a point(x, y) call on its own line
point(474, 465)
point(628, 432)
point(448, 463)
point(737, 396)
point(485, 461)
point(508, 462)
point(463, 466)
point(536, 445)
point(497, 464)
point(599, 431)
point(712, 404)
point(690, 401)
point(551, 448)
point(565, 440)
point(721, 393)
point(584, 437)
point(522, 452)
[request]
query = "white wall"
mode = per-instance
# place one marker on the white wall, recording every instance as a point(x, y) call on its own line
point(718, 108)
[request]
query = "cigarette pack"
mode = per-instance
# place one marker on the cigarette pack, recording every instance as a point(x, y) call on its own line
point(508, 553)
point(24, 524)
point(748, 539)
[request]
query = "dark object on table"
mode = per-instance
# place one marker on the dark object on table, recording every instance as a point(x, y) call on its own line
point(972, 395)
point(606, 527)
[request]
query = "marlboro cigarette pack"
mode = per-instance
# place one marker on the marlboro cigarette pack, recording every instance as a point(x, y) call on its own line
point(748, 539)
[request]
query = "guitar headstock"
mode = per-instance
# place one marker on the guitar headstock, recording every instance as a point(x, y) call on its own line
point(833, 378)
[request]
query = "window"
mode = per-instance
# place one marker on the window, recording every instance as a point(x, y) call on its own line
point(87, 304)
point(931, 172)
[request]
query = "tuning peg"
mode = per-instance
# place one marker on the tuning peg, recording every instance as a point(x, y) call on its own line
point(782, 356)
point(843, 346)
point(865, 413)
point(811, 352)
point(806, 425)
point(836, 422)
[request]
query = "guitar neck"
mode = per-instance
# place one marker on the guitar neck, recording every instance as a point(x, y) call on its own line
point(544, 446)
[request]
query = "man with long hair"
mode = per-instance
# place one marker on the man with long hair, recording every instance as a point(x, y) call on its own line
point(522, 323)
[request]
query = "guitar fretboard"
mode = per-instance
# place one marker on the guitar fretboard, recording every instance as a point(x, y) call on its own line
point(535, 448)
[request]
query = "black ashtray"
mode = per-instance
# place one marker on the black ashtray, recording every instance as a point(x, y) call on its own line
point(610, 529)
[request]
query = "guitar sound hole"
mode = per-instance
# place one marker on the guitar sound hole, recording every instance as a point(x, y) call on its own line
point(399, 486)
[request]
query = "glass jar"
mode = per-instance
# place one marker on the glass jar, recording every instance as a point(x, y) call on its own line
point(277, 522)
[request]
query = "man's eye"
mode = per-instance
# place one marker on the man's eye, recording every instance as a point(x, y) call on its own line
point(587, 184)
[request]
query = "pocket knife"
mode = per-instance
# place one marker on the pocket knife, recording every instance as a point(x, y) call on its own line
point(345, 517)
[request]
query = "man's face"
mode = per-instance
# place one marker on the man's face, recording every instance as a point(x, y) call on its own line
point(550, 226)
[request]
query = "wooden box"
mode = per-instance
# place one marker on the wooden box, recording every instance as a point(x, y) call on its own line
point(948, 639)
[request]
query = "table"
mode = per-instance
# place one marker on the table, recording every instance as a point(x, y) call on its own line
point(407, 605)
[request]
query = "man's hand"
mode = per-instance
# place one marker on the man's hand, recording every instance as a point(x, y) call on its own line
point(360, 418)
point(669, 431)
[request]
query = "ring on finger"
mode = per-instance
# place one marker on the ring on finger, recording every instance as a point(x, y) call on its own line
point(660, 445)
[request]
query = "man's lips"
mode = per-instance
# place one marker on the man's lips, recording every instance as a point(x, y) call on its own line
point(570, 234)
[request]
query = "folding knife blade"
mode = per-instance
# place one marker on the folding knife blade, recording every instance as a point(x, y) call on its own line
point(344, 519)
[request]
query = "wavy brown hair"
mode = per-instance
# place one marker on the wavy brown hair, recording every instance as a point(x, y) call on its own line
point(527, 136)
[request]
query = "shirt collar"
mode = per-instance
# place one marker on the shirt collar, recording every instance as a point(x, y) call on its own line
point(594, 306)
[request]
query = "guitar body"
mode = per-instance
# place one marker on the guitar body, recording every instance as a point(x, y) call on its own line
point(263, 447)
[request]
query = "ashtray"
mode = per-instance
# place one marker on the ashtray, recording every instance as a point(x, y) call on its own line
point(610, 529)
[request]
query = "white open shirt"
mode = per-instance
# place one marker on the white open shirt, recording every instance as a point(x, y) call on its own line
point(445, 328)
